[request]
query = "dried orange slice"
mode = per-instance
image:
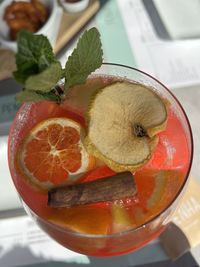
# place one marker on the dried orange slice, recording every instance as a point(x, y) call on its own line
point(53, 153)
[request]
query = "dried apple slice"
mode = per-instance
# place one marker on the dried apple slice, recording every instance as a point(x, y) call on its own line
point(123, 121)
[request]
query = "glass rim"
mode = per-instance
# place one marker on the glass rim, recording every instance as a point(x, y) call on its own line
point(129, 231)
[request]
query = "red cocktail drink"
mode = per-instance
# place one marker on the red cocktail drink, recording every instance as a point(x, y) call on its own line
point(110, 227)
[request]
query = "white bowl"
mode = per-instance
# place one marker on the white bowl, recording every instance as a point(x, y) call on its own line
point(50, 27)
point(75, 7)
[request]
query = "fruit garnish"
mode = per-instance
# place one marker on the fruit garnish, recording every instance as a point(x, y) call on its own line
point(160, 181)
point(123, 122)
point(83, 219)
point(151, 185)
point(53, 153)
point(157, 186)
point(121, 218)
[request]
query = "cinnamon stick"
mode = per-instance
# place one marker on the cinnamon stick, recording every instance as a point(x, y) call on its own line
point(110, 188)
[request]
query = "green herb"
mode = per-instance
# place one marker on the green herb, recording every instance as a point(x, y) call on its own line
point(45, 80)
point(39, 71)
point(34, 55)
point(86, 57)
point(35, 96)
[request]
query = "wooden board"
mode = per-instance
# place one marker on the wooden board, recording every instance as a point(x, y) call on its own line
point(71, 23)
point(7, 63)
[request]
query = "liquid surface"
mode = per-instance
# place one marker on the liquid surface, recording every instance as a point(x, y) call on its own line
point(158, 181)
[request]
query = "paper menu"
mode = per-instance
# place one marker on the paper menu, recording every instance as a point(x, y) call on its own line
point(188, 13)
point(175, 63)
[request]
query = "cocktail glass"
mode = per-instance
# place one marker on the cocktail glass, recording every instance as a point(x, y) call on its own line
point(174, 153)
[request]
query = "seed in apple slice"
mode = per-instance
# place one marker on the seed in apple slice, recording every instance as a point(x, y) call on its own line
point(124, 119)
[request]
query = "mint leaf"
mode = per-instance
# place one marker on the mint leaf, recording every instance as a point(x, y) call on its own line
point(35, 96)
point(45, 80)
point(85, 59)
point(34, 55)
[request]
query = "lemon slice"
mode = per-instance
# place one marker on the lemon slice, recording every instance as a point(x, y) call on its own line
point(123, 121)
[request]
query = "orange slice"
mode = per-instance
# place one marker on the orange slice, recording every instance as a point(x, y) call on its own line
point(88, 220)
point(53, 153)
point(156, 189)
point(151, 186)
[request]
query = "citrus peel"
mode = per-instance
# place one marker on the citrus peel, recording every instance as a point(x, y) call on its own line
point(123, 122)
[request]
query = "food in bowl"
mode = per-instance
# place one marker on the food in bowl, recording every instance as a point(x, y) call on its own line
point(25, 15)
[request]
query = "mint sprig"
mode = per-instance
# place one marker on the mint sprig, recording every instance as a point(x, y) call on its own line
point(39, 71)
